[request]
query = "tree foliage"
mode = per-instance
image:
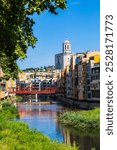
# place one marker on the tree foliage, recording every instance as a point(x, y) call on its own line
point(16, 33)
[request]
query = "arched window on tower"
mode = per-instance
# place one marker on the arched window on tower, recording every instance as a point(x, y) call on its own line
point(67, 47)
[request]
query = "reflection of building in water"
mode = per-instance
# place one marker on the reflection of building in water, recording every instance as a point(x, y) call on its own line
point(89, 142)
point(69, 138)
point(31, 112)
point(66, 137)
point(84, 142)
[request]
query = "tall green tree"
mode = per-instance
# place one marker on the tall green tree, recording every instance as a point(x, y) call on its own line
point(16, 33)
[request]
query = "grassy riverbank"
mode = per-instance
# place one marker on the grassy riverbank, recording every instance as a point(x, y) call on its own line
point(84, 120)
point(17, 135)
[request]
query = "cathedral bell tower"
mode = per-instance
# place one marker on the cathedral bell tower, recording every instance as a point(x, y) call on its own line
point(67, 47)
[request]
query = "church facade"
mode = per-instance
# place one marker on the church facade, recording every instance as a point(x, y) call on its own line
point(63, 59)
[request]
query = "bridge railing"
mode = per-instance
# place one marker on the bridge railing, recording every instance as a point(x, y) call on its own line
point(33, 90)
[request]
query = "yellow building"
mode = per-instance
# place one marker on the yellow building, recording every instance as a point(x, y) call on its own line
point(10, 85)
point(22, 76)
point(6, 86)
point(2, 94)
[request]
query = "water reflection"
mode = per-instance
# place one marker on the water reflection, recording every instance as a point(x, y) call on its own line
point(85, 142)
point(45, 119)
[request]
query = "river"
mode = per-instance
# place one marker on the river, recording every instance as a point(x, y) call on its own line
point(44, 118)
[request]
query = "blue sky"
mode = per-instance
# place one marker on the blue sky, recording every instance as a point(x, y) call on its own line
point(80, 23)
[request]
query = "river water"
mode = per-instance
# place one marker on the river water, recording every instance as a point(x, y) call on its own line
point(44, 118)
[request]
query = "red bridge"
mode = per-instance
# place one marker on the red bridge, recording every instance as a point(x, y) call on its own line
point(31, 90)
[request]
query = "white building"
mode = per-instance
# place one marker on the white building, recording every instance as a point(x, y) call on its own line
point(63, 59)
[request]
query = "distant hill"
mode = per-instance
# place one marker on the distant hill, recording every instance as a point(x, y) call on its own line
point(42, 68)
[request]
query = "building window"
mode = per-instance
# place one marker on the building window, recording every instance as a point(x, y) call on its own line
point(67, 47)
point(88, 81)
point(97, 77)
point(88, 88)
point(92, 58)
point(89, 95)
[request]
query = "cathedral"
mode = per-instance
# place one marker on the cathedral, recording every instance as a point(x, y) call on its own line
point(63, 59)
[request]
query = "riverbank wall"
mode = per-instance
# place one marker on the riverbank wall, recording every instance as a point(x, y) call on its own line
point(79, 104)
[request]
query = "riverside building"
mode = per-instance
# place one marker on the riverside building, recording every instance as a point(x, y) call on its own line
point(81, 77)
point(6, 86)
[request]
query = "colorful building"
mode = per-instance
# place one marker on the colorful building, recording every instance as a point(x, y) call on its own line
point(81, 77)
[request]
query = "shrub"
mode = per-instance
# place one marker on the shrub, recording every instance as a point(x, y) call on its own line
point(87, 120)
point(19, 98)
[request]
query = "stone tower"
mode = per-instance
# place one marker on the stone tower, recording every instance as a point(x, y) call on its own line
point(63, 59)
point(66, 46)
